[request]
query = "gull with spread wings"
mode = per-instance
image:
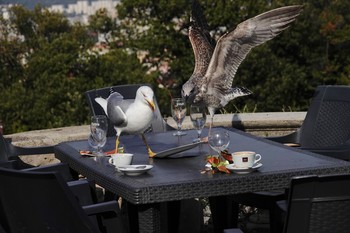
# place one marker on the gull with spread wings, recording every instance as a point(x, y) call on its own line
point(217, 64)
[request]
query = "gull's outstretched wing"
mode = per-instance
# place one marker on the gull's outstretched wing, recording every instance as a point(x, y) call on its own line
point(203, 47)
point(202, 43)
point(233, 47)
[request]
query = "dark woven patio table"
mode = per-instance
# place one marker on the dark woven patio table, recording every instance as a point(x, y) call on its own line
point(180, 176)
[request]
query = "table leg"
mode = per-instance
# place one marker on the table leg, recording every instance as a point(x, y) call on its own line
point(171, 215)
point(158, 217)
point(149, 218)
point(224, 212)
point(144, 218)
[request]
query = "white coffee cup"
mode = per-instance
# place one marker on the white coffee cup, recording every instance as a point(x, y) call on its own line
point(121, 159)
point(245, 159)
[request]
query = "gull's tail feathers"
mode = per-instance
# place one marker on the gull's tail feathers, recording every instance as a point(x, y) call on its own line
point(102, 102)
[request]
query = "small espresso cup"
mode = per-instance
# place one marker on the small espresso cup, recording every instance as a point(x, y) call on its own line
point(121, 159)
point(245, 159)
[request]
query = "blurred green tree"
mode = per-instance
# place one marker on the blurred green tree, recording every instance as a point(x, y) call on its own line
point(47, 63)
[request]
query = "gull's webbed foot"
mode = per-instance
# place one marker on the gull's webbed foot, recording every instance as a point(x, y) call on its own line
point(151, 154)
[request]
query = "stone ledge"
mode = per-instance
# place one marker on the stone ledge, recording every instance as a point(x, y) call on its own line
point(260, 124)
point(48, 137)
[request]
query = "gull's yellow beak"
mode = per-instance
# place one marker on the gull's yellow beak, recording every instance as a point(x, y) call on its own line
point(151, 104)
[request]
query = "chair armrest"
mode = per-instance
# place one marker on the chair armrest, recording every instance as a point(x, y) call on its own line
point(282, 206)
point(109, 213)
point(84, 191)
point(61, 168)
point(18, 150)
point(8, 164)
point(339, 151)
point(292, 138)
point(103, 207)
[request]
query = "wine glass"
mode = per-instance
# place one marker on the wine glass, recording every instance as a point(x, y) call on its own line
point(198, 117)
point(98, 130)
point(178, 111)
point(218, 140)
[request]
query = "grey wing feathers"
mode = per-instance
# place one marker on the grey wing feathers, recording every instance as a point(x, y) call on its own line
point(202, 43)
point(198, 20)
point(202, 50)
point(116, 108)
point(233, 47)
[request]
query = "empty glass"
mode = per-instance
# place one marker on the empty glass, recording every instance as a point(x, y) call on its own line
point(178, 111)
point(218, 140)
point(98, 130)
point(198, 117)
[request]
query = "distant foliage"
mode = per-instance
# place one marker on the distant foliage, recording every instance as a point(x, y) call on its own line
point(46, 64)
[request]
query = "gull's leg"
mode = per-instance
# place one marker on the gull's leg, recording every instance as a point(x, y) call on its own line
point(150, 152)
point(205, 139)
point(211, 113)
point(210, 125)
point(117, 144)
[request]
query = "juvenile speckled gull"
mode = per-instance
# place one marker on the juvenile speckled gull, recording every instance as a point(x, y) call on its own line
point(130, 117)
point(211, 81)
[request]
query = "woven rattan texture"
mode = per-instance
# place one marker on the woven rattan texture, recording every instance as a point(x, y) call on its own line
point(333, 125)
point(332, 216)
point(144, 220)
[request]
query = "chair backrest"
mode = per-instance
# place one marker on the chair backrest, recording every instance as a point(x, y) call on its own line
point(128, 92)
point(327, 122)
point(40, 202)
point(319, 204)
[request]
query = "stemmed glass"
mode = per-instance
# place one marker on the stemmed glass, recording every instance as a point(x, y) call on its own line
point(198, 117)
point(98, 130)
point(218, 140)
point(178, 111)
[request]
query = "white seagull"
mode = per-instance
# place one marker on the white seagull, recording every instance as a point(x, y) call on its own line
point(130, 117)
point(216, 65)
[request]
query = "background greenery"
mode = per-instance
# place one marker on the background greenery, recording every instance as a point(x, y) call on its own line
point(46, 63)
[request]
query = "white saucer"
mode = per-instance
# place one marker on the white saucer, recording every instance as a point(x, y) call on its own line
point(134, 170)
point(240, 170)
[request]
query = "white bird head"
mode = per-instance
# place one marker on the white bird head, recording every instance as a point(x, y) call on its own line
point(145, 94)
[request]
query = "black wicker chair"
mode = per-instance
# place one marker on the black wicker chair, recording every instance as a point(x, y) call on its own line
point(319, 204)
point(325, 130)
point(128, 92)
point(44, 202)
